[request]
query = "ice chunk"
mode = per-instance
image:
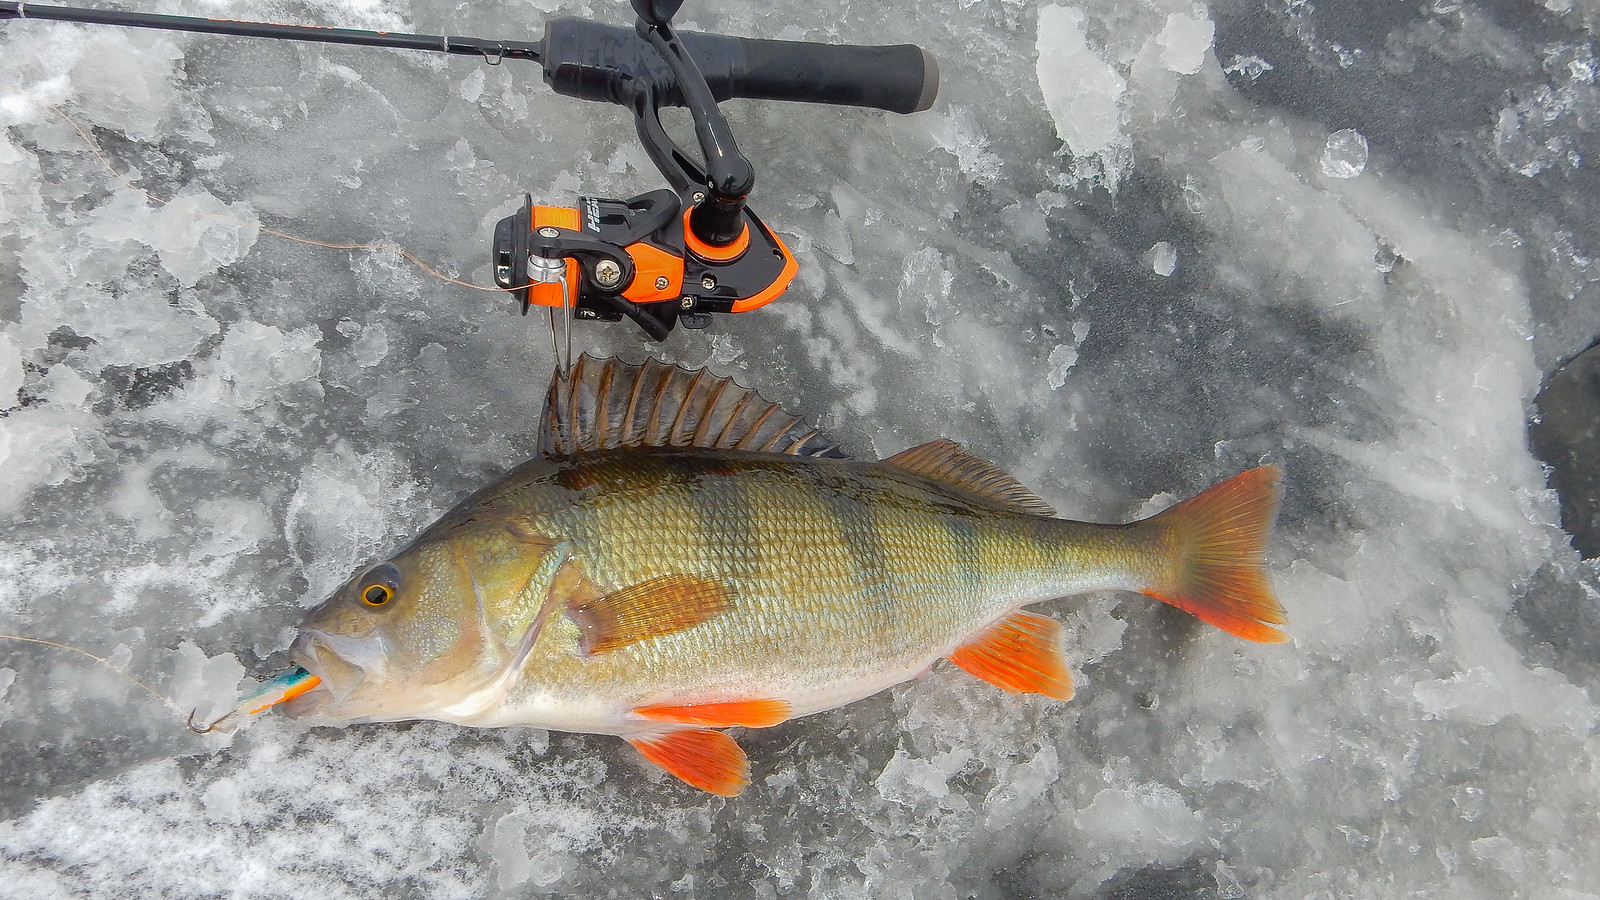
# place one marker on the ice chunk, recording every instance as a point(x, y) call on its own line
point(196, 234)
point(140, 331)
point(1503, 854)
point(472, 86)
point(541, 846)
point(124, 80)
point(925, 283)
point(1147, 821)
point(338, 518)
point(369, 344)
point(1162, 258)
point(37, 447)
point(258, 360)
point(1027, 222)
point(1081, 90)
point(10, 373)
point(63, 386)
point(724, 349)
point(1494, 683)
point(957, 131)
point(1345, 155)
point(1064, 356)
point(208, 684)
point(1020, 787)
point(1248, 67)
point(1185, 42)
point(911, 781)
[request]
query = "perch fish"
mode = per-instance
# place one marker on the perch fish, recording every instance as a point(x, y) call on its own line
point(684, 557)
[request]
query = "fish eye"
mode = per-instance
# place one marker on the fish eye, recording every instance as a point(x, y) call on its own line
point(380, 585)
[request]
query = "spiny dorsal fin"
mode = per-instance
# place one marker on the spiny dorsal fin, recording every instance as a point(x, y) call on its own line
point(944, 460)
point(607, 404)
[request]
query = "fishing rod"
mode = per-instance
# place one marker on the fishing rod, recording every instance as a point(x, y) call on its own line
point(670, 256)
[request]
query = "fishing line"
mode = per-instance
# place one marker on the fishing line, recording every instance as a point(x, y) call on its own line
point(375, 246)
point(165, 701)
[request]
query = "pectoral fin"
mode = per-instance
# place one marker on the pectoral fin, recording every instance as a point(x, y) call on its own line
point(649, 609)
point(706, 759)
point(749, 713)
point(1021, 654)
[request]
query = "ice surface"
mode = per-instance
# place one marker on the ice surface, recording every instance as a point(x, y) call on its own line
point(1124, 257)
point(10, 373)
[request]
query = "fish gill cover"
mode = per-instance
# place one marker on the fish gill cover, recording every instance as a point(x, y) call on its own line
point(1135, 248)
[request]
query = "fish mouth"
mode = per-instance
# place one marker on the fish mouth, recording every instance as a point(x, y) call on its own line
point(342, 663)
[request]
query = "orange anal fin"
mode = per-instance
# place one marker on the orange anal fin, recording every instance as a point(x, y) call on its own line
point(649, 609)
point(702, 758)
point(1220, 537)
point(749, 713)
point(1021, 654)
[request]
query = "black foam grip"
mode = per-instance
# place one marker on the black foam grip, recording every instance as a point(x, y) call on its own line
point(596, 62)
point(902, 78)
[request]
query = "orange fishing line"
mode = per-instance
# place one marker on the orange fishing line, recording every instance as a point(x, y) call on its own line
point(377, 247)
point(165, 701)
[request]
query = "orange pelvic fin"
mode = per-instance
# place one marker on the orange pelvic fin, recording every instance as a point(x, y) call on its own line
point(1021, 654)
point(1220, 537)
point(706, 759)
point(750, 713)
point(653, 608)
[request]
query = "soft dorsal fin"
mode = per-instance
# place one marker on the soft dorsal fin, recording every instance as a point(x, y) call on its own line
point(607, 404)
point(944, 460)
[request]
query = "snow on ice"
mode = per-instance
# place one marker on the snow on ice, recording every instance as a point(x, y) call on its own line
point(1135, 248)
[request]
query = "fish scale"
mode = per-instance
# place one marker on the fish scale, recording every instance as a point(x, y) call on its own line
point(799, 568)
point(646, 577)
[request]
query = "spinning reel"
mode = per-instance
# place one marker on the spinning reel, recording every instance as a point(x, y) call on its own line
point(670, 256)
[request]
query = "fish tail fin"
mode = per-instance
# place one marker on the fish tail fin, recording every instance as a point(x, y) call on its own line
point(1217, 540)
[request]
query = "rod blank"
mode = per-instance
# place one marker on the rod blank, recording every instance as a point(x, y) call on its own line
point(494, 51)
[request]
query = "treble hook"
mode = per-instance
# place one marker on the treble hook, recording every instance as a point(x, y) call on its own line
point(207, 729)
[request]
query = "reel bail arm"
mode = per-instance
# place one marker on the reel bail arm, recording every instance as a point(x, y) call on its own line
point(717, 221)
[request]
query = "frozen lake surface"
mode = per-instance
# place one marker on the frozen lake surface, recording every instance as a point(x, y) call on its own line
point(1134, 249)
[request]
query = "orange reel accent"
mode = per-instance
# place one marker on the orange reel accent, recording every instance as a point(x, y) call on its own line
point(650, 265)
point(550, 294)
point(715, 254)
point(780, 284)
